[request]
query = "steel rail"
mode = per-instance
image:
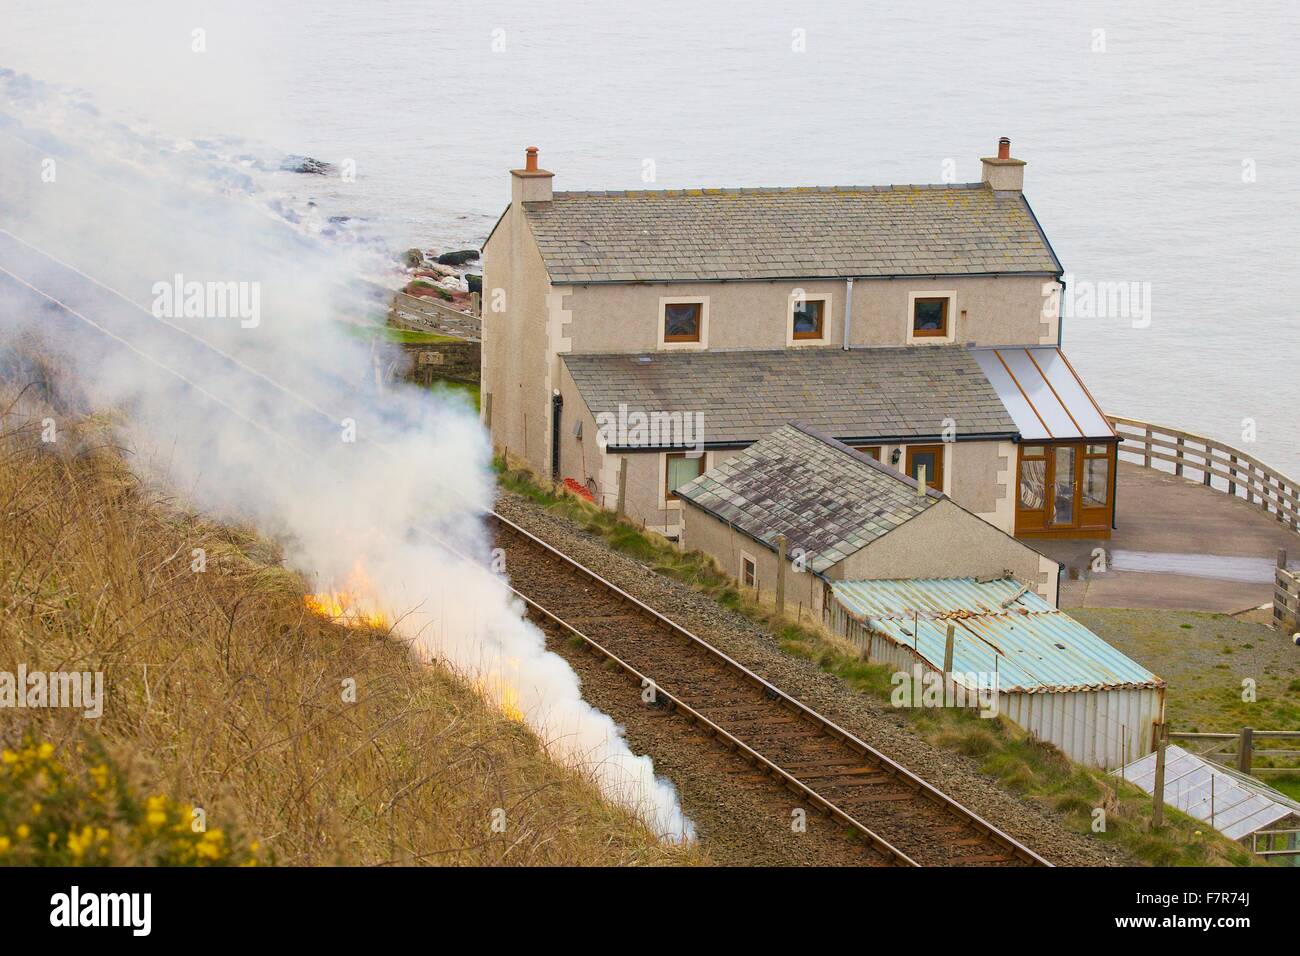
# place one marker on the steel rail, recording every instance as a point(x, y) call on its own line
point(824, 724)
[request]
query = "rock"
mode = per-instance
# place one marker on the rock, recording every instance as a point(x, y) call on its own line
point(413, 257)
point(458, 258)
point(440, 271)
point(306, 164)
point(475, 283)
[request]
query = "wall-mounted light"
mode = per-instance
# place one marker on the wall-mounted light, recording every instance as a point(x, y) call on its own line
point(896, 454)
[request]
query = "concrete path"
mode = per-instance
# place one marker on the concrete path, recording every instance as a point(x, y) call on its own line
point(1178, 545)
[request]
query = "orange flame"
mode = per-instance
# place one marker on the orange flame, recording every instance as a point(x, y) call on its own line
point(501, 693)
point(352, 605)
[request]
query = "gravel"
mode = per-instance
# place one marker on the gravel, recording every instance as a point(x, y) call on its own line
point(870, 719)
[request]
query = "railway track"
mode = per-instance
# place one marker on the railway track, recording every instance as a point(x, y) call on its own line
point(911, 823)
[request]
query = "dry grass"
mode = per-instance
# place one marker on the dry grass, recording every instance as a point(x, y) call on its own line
point(222, 692)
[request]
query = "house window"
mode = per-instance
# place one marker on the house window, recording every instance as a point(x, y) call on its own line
point(808, 318)
point(748, 571)
point(683, 321)
point(929, 457)
point(872, 451)
point(1033, 477)
point(678, 471)
point(930, 317)
point(1096, 476)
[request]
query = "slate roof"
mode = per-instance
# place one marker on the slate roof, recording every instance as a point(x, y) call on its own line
point(822, 495)
point(801, 232)
point(860, 394)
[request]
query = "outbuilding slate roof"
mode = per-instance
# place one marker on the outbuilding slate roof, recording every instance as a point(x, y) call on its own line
point(856, 394)
point(800, 232)
point(826, 498)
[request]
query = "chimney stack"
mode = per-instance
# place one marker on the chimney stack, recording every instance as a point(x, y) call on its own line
point(1001, 172)
point(530, 184)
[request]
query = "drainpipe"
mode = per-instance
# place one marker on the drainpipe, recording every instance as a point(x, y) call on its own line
point(557, 403)
point(848, 309)
point(1060, 311)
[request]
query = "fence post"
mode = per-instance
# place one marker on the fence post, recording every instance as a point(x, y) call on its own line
point(621, 508)
point(1245, 749)
point(1209, 457)
point(1146, 447)
point(947, 662)
point(1232, 470)
point(1178, 465)
point(1280, 607)
point(1158, 788)
point(780, 574)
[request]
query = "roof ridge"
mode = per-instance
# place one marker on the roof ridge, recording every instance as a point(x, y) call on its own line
point(701, 191)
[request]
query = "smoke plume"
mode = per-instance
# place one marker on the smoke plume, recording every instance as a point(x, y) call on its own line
point(379, 491)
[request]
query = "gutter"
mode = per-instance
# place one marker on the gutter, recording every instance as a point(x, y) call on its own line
point(871, 440)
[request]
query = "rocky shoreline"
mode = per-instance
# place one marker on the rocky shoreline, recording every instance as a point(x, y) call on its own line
point(445, 276)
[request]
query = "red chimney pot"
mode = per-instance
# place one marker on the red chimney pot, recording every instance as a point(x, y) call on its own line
point(530, 159)
point(1004, 148)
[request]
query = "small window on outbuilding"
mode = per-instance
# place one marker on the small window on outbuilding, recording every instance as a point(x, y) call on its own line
point(748, 571)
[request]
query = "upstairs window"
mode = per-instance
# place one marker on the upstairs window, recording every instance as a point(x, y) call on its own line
point(809, 317)
point(930, 317)
point(682, 321)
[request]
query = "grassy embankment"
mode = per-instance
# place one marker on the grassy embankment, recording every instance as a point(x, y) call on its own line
point(1038, 771)
point(223, 693)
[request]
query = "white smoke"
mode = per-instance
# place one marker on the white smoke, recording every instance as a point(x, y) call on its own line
point(401, 504)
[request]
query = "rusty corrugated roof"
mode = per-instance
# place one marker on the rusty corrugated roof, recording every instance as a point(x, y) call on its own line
point(1001, 628)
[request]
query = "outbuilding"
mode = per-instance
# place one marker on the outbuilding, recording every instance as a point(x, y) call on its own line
point(844, 516)
point(1053, 677)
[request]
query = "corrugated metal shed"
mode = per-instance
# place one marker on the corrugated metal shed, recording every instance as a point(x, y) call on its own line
point(1001, 628)
point(1233, 803)
point(1055, 678)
